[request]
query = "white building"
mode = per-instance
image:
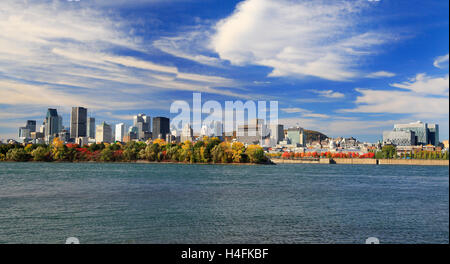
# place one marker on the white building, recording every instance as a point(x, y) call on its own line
point(120, 132)
point(187, 133)
point(205, 131)
point(217, 129)
point(103, 133)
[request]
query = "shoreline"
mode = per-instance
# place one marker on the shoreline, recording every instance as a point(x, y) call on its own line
point(349, 161)
point(336, 161)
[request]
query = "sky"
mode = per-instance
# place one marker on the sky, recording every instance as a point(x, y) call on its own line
point(345, 68)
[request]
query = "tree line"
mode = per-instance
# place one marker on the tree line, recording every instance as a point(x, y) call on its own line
point(207, 150)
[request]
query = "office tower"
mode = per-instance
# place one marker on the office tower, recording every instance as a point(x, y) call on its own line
point(254, 133)
point(296, 136)
point(187, 133)
point(31, 125)
point(217, 129)
point(120, 132)
point(24, 134)
point(205, 131)
point(60, 123)
point(142, 122)
point(64, 135)
point(161, 127)
point(90, 127)
point(433, 134)
point(103, 133)
point(42, 128)
point(78, 122)
point(52, 123)
point(277, 133)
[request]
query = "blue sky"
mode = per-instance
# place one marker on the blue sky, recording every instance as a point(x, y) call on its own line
point(345, 68)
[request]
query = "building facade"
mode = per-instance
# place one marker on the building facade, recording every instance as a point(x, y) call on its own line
point(161, 127)
point(103, 133)
point(296, 136)
point(399, 138)
point(142, 122)
point(277, 133)
point(433, 134)
point(78, 122)
point(90, 127)
point(420, 130)
point(254, 133)
point(52, 124)
point(120, 132)
point(187, 133)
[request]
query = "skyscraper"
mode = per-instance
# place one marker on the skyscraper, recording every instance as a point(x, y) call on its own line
point(187, 133)
point(161, 127)
point(277, 133)
point(51, 124)
point(103, 133)
point(78, 123)
point(120, 132)
point(433, 134)
point(217, 129)
point(91, 127)
point(31, 125)
point(142, 122)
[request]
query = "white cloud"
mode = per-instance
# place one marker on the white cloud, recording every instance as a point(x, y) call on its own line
point(423, 84)
point(293, 110)
point(309, 38)
point(303, 112)
point(441, 62)
point(380, 74)
point(329, 94)
point(189, 46)
point(422, 97)
point(60, 54)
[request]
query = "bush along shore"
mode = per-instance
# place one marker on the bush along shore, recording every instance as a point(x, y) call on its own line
point(387, 152)
point(208, 150)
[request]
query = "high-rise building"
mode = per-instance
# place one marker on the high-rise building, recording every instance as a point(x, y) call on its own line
point(433, 134)
point(205, 131)
point(254, 133)
point(60, 123)
point(120, 132)
point(103, 133)
point(217, 129)
point(277, 133)
point(187, 133)
point(78, 122)
point(296, 136)
point(64, 135)
point(142, 122)
point(91, 127)
point(161, 127)
point(24, 134)
point(52, 124)
point(31, 125)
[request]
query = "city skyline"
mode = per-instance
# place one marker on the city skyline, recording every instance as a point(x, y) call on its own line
point(360, 68)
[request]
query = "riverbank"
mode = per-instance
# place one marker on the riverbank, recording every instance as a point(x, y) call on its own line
point(364, 161)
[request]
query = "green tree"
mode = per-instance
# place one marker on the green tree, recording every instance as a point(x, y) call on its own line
point(107, 155)
point(388, 151)
point(41, 154)
point(18, 154)
point(256, 154)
